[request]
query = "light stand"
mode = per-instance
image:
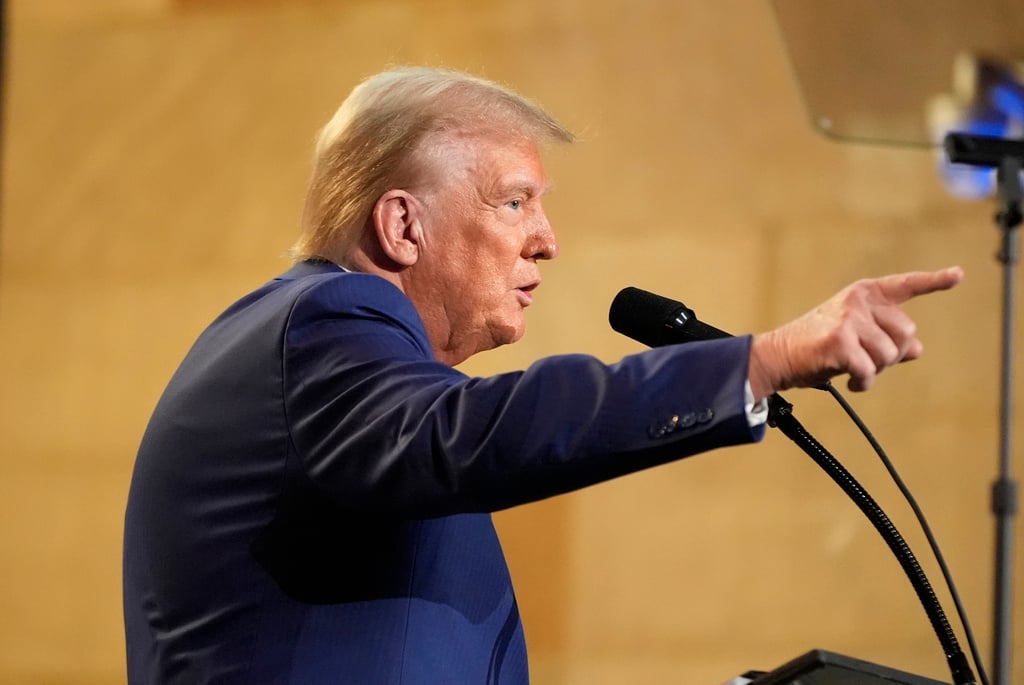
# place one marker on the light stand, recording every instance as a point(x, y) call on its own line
point(1007, 157)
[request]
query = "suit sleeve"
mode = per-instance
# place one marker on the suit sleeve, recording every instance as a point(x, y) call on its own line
point(379, 425)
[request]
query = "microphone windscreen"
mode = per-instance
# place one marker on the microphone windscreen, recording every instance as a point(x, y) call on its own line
point(644, 316)
point(656, 321)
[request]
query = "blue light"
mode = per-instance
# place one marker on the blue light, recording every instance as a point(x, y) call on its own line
point(1008, 98)
point(967, 182)
point(987, 100)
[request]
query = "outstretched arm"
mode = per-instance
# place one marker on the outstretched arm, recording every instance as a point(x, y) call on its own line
point(861, 330)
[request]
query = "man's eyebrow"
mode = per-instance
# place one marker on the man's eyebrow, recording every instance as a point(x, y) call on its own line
point(523, 187)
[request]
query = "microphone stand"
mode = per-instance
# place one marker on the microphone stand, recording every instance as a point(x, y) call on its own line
point(1007, 156)
point(632, 313)
point(780, 415)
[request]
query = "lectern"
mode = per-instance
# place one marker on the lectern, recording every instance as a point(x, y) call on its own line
point(821, 667)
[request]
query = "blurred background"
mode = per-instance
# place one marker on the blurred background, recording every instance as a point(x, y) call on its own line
point(155, 154)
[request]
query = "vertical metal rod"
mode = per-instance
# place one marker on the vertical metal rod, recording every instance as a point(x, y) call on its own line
point(1004, 490)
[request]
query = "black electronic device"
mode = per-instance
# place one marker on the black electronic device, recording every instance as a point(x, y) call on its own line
point(821, 667)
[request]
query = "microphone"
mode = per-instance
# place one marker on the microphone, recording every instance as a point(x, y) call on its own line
point(657, 321)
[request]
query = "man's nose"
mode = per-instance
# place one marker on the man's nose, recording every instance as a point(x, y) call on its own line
point(542, 243)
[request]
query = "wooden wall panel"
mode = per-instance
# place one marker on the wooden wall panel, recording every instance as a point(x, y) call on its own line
point(155, 159)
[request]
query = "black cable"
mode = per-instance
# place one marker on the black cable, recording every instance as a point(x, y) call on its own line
point(780, 415)
point(968, 632)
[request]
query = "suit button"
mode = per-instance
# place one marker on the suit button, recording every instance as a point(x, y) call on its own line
point(688, 419)
point(663, 428)
point(705, 415)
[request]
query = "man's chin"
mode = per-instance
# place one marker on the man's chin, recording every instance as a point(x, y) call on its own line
point(508, 334)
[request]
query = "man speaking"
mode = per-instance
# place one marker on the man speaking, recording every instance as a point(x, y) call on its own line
point(311, 500)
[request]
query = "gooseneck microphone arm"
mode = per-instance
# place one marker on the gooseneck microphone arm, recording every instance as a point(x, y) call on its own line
point(780, 415)
point(657, 321)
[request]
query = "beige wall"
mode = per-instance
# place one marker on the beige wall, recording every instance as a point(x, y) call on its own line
point(154, 162)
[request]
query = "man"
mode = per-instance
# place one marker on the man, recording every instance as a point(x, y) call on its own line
point(311, 500)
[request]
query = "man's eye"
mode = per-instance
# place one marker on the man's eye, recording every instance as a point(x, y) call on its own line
point(515, 204)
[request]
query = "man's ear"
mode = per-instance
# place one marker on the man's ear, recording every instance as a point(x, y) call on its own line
point(396, 222)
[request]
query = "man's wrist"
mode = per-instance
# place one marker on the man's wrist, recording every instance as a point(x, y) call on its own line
point(762, 383)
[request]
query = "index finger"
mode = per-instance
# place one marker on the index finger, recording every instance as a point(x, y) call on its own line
point(902, 287)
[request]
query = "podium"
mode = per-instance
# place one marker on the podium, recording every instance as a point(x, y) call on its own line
point(821, 667)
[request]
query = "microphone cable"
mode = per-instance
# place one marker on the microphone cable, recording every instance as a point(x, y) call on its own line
point(922, 521)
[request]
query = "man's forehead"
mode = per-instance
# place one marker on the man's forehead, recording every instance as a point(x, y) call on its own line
point(497, 158)
point(480, 141)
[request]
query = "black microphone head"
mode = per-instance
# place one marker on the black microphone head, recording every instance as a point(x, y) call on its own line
point(655, 320)
point(645, 317)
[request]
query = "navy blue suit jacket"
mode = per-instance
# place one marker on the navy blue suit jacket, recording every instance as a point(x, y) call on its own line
point(310, 503)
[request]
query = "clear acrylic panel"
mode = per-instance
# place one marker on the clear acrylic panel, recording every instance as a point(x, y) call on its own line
point(903, 72)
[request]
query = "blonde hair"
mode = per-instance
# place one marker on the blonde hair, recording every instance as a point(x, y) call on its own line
point(369, 145)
